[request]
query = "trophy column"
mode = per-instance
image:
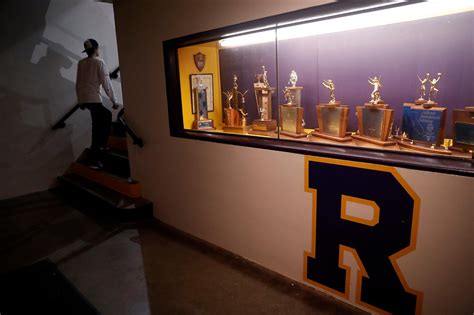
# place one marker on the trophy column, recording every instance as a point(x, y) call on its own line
point(332, 117)
point(263, 97)
point(291, 113)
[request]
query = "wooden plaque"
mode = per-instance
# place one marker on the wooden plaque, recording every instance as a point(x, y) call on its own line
point(333, 120)
point(374, 122)
point(291, 121)
point(463, 128)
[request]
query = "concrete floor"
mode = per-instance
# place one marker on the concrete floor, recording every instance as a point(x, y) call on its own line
point(130, 268)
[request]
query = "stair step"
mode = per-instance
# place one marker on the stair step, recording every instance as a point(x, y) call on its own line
point(111, 197)
point(115, 162)
point(119, 184)
point(118, 143)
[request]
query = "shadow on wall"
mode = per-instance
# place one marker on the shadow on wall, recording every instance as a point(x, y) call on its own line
point(33, 94)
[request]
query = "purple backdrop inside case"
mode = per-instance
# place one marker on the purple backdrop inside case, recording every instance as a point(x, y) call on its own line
point(397, 52)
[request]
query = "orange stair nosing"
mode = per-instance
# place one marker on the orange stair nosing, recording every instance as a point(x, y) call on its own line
point(132, 190)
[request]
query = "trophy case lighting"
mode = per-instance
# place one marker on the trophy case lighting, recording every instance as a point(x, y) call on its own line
point(376, 81)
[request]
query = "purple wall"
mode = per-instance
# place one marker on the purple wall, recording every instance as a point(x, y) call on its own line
point(398, 52)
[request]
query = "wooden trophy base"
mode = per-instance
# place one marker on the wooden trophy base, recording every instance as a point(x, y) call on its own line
point(429, 104)
point(335, 104)
point(293, 135)
point(423, 103)
point(263, 125)
point(317, 133)
point(236, 129)
point(374, 141)
point(204, 124)
point(423, 148)
point(378, 105)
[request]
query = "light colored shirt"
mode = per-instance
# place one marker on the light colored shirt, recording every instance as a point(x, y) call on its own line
point(91, 75)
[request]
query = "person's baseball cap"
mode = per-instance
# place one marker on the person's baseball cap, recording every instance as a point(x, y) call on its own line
point(90, 44)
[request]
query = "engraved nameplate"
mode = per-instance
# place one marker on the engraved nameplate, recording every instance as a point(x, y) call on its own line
point(464, 133)
point(289, 119)
point(331, 120)
point(205, 124)
point(422, 124)
point(372, 122)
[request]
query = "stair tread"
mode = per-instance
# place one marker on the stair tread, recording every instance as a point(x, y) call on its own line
point(105, 172)
point(114, 182)
point(116, 152)
point(120, 171)
point(110, 196)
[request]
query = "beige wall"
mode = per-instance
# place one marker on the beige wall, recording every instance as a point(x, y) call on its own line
point(251, 201)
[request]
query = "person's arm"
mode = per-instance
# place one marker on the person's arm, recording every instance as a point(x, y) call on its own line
point(106, 84)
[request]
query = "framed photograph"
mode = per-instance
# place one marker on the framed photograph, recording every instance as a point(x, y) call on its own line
point(208, 83)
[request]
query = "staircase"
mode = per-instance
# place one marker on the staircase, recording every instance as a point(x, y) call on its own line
point(112, 186)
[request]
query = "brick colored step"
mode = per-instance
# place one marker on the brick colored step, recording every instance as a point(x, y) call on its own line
point(118, 143)
point(111, 197)
point(121, 185)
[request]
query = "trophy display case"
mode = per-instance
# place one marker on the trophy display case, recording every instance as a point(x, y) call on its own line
point(247, 98)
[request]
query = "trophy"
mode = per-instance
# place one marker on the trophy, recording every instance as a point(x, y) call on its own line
point(423, 126)
point(463, 129)
point(421, 100)
point(201, 120)
point(375, 118)
point(293, 90)
point(333, 118)
point(433, 92)
point(235, 115)
point(263, 97)
point(291, 113)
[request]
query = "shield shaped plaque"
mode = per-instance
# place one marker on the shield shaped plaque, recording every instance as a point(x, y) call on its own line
point(199, 61)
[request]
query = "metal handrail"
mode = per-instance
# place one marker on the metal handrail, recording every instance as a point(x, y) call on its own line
point(62, 122)
point(136, 140)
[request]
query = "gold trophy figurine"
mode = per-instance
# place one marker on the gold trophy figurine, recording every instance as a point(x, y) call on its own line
point(433, 90)
point(329, 84)
point(265, 79)
point(375, 95)
point(293, 78)
point(422, 100)
point(289, 98)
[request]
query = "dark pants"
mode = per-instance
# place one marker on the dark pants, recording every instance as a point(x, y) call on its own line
point(101, 122)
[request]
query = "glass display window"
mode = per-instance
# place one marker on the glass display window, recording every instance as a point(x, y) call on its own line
point(377, 81)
